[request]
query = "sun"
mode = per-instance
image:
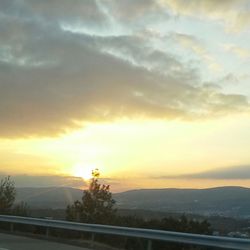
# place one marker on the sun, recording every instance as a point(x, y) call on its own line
point(83, 171)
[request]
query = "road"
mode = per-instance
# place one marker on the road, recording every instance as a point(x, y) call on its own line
point(13, 242)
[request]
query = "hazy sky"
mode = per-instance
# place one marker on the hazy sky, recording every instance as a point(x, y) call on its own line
point(153, 93)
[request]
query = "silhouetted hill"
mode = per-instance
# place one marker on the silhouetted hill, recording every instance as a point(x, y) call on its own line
point(226, 201)
point(49, 197)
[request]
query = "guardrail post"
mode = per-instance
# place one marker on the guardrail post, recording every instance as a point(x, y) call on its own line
point(149, 245)
point(92, 239)
point(12, 227)
point(47, 232)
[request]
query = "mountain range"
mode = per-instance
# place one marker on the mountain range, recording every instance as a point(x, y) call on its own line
point(225, 201)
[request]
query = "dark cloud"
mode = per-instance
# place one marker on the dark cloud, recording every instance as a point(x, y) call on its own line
point(46, 181)
point(52, 79)
point(55, 11)
point(54, 181)
point(228, 173)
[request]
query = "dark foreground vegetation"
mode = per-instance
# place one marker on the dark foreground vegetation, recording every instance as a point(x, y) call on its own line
point(7, 198)
point(98, 206)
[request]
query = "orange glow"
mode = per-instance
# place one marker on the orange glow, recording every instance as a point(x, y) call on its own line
point(83, 170)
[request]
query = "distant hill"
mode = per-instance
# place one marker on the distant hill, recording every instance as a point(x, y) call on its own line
point(226, 201)
point(49, 197)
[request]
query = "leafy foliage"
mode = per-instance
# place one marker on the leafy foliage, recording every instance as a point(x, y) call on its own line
point(181, 224)
point(97, 205)
point(7, 195)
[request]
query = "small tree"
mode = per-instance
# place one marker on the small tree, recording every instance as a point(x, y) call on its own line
point(7, 195)
point(97, 205)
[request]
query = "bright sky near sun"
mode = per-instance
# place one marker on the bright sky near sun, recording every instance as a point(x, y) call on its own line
point(153, 93)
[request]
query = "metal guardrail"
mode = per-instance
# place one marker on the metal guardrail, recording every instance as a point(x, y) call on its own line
point(150, 234)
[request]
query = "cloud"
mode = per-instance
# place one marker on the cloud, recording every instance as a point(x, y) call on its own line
point(196, 46)
point(54, 181)
point(234, 14)
point(240, 52)
point(63, 10)
point(53, 80)
point(144, 56)
point(130, 9)
point(228, 173)
point(136, 12)
point(46, 181)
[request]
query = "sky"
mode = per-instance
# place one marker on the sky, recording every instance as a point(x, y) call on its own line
point(153, 93)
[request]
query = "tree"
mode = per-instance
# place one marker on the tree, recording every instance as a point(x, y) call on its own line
point(7, 195)
point(97, 205)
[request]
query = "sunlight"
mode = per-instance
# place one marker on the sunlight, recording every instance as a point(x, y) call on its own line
point(83, 170)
